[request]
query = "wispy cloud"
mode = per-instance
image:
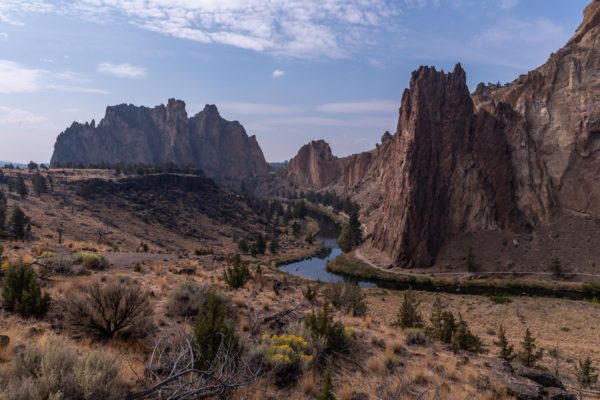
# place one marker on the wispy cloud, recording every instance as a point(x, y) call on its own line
point(3, 36)
point(278, 73)
point(17, 78)
point(244, 108)
point(508, 4)
point(124, 70)
point(360, 107)
point(15, 116)
point(294, 28)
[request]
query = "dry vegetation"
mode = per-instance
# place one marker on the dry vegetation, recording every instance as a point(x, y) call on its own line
point(166, 289)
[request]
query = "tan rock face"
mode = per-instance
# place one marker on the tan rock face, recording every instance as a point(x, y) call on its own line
point(314, 166)
point(163, 134)
point(448, 170)
point(511, 157)
point(554, 133)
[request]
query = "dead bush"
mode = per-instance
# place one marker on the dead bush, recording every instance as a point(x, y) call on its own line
point(106, 310)
point(189, 297)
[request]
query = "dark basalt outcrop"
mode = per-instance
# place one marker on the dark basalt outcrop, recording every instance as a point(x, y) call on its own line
point(164, 134)
point(448, 171)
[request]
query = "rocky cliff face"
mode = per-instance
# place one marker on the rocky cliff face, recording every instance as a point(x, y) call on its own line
point(513, 157)
point(314, 166)
point(448, 171)
point(164, 134)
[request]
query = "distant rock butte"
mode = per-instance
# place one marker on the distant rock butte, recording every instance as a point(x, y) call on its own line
point(314, 166)
point(164, 134)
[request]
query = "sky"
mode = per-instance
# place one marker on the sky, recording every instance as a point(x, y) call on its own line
point(290, 71)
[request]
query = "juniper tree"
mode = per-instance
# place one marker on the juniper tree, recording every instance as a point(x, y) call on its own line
point(20, 223)
point(529, 354)
point(39, 184)
point(464, 339)
point(409, 316)
point(506, 350)
point(21, 187)
point(274, 246)
point(213, 333)
point(442, 323)
point(21, 292)
point(556, 267)
point(586, 375)
point(2, 211)
point(327, 392)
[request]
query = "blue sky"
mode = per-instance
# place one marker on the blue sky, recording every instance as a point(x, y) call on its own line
point(289, 70)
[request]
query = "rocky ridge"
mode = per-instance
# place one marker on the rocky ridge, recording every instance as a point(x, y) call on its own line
point(164, 134)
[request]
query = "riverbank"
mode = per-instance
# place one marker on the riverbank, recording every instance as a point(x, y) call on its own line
point(348, 265)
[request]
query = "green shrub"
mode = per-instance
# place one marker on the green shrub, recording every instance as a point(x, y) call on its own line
point(414, 336)
point(213, 333)
point(464, 339)
point(322, 325)
point(506, 350)
point(20, 223)
point(22, 294)
point(91, 260)
point(442, 324)
point(327, 391)
point(189, 298)
point(346, 297)
point(310, 293)
point(56, 371)
point(238, 274)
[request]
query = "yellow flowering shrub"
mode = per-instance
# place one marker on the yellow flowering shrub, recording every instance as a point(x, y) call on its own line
point(284, 349)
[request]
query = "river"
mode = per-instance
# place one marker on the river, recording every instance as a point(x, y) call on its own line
point(315, 268)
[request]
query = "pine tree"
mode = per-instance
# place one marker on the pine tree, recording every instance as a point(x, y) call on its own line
point(20, 223)
point(243, 246)
point(274, 246)
point(39, 184)
point(21, 187)
point(213, 333)
point(260, 244)
point(2, 211)
point(409, 316)
point(327, 392)
point(586, 375)
point(529, 354)
point(355, 229)
point(506, 350)
point(464, 339)
point(238, 274)
point(556, 267)
point(442, 324)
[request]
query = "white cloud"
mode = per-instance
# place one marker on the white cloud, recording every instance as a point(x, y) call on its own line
point(125, 70)
point(278, 73)
point(294, 28)
point(235, 108)
point(15, 116)
point(3, 36)
point(15, 78)
point(360, 107)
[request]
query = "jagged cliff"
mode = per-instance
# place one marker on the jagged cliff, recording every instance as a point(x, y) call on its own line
point(449, 170)
point(516, 157)
point(314, 166)
point(164, 134)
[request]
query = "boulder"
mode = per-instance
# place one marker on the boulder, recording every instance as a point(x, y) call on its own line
point(544, 378)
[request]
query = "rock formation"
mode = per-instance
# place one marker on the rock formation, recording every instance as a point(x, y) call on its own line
point(314, 166)
point(508, 157)
point(164, 134)
point(449, 170)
